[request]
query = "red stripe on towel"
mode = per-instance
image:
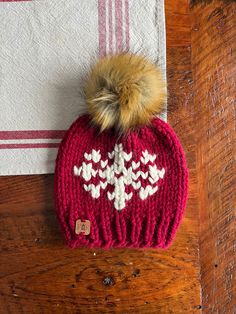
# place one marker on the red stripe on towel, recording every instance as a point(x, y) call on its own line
point(110, 26)
point(32, 134)
point(30, 145)
point(127, 24)
point(102, 27)
point(119, 24)
point(15, 0)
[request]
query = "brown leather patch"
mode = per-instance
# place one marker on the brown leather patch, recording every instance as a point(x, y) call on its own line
point(82, 226)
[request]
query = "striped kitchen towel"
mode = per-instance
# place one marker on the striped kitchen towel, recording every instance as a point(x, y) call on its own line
point(46, 50)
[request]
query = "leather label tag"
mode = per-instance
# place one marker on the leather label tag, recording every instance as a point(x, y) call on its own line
point(82, 226)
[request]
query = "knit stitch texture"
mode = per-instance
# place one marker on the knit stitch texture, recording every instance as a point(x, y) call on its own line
point(132, 188)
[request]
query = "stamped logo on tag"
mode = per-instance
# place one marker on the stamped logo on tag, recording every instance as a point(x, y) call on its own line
point(82, 226)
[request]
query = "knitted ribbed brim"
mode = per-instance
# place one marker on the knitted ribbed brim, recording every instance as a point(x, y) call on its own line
point(127, 191)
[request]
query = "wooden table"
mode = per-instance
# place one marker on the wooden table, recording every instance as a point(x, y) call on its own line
point(38, 274)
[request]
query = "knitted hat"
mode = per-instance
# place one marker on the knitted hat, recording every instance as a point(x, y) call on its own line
point(117, 189)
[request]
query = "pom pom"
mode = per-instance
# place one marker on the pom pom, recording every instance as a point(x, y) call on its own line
point(124, 91)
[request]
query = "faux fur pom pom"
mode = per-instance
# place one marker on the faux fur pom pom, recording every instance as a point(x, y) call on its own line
point(124, 91)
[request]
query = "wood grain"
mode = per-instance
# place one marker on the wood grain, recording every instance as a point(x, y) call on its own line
point(38, 274)
point(214, 68)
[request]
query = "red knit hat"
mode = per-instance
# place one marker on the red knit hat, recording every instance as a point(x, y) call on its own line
point(126, 190)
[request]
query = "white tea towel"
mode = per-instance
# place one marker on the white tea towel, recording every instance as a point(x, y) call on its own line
point(46, 49)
